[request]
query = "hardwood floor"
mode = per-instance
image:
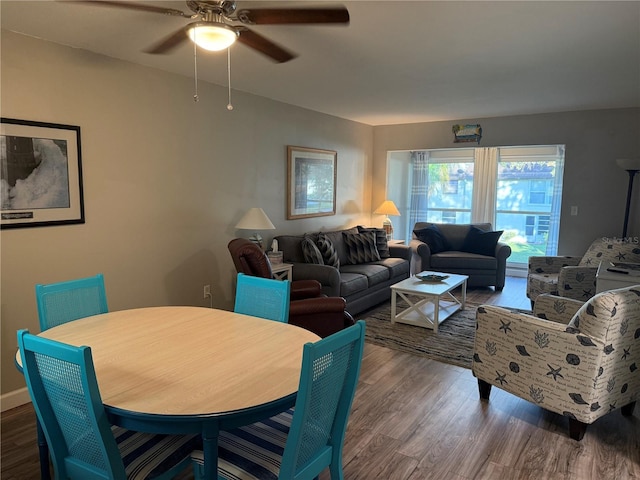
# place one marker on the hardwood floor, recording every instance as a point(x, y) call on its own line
point(416, 419)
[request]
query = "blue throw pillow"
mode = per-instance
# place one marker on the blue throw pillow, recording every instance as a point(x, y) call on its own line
point(433, 237)
point(481, 242)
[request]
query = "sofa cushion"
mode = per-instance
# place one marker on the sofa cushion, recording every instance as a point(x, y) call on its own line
point(381, 240)
point(361, 247)
point(351, 283)
point(374, 273)
point(397, 266)
point(433, 237)
point(329, 255)
point(481, 242)
point(311, 252)
point(462, 260)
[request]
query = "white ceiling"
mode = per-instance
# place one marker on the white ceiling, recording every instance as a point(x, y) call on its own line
point(397, 61)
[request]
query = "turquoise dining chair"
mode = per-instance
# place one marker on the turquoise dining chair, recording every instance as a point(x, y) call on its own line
point(63, 302)
point(301, 442)
point(64, 390)
point(263, 297)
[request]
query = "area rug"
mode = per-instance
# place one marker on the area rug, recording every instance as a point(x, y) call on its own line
point(452, 344)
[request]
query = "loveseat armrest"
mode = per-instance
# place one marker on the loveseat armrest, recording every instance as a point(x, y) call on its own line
point(550, 264)
point(577, 282)
point(327, 275)
point(420, 256)
point(503, 251)
point(400, 251)
point(556, 309)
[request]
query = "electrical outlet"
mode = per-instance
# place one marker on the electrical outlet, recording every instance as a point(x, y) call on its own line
point(574, 210)
point(206, 293)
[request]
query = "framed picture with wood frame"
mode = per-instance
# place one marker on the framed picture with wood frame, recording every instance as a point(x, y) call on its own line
point(41, 174)
point(311, 182)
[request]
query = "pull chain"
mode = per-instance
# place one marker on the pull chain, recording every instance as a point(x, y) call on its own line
point(229, 105)
point(195, 66)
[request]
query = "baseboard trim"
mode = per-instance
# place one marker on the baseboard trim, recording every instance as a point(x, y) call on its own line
point(14, 399)
point(516, 272)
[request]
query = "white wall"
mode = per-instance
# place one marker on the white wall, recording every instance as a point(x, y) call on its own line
point(165, 180)
point(592, 181)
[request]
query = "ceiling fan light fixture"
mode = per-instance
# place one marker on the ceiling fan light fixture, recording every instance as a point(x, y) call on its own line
point(212, 36)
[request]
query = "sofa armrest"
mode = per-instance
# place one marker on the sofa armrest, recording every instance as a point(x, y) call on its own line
point(550, 264)
point(420, 256)
point(400, 251)
point(327, 275)
point(577, 282)
point(556, 309)
point(503, 251)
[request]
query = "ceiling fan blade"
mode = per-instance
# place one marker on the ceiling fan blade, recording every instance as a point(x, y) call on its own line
point(170, 42)
point(131, 6)
point(264, 46)
point(274, 16)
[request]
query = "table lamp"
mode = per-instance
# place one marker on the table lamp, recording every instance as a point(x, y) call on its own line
point(632, 166)
point(387, 208)
point(255, 219)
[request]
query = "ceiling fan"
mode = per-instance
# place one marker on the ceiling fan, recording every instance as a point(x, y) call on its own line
point(218, 24)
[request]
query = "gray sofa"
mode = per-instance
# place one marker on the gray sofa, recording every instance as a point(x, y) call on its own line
point(483, 270)
point(362, 285)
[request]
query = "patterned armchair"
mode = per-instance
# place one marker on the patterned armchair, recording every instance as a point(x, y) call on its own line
point(578, 360)
point(575, 277)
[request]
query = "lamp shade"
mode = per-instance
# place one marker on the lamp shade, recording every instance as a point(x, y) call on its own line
point(212, 36)
point(255, 219)
point(387, 208)
point(629, 163)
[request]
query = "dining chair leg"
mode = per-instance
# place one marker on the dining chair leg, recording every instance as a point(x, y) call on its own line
point(43, 451)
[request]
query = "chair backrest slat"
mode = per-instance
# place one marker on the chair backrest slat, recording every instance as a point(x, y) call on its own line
point(263, 297)
point(63, 302)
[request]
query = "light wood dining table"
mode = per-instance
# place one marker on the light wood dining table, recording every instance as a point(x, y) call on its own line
point(190, 369)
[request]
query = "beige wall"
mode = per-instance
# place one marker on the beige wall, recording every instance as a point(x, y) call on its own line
point(592, 180)
point(165, 180)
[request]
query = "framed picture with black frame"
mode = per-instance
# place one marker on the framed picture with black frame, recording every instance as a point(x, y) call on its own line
point(40, 174)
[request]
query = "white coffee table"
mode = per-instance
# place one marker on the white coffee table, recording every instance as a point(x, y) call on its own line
point(430, 303)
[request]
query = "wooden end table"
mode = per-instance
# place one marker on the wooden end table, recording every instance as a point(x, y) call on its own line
point(282, 271)
point(430, 303)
